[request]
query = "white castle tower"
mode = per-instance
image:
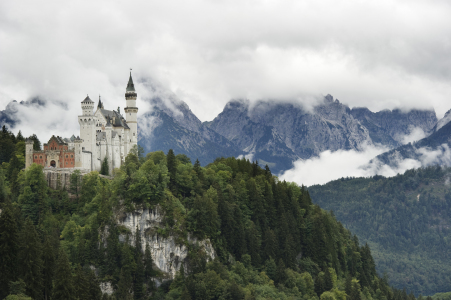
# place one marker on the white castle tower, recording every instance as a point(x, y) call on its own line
point(87, 123)
point(131, 112)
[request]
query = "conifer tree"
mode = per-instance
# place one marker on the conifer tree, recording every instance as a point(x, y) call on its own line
point(30, 259)
point(320, 286)
point(20, 137)
point(33, 200)
point(139, 273)
point(48, 259)
point(271, 268)
point(124, 284)
point(104, 168)
point(81, 283)
point(328, 283)
point(280, 272)
point(9, 246)
point(198, 169)
point(95, 293)
point(172, 168)
point(63, 288)
point(148, 262)
point(185, 294)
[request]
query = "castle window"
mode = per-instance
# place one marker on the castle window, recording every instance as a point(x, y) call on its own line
point(72, 156)
point(40, 156)
point(35, 156)
point(67, 156)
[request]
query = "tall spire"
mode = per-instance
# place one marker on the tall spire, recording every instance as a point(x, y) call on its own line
point(130, 85)
point(100, 105)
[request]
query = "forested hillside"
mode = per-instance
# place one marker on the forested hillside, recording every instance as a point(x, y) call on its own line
point(270, 241)
point(405, 219)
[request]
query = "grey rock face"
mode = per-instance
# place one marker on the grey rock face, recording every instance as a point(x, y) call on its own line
point(431, 150)
point(170, 124)
point(168, 253)
point(388, 127)
point(278, 133)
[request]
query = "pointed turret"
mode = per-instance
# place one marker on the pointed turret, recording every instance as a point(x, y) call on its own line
point(131, 111)
point(130, 85)
point(100, 104)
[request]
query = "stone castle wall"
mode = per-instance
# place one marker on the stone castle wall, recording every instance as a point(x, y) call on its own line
point(59, 178)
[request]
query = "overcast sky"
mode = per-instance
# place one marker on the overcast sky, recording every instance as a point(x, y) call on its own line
point(379, 54)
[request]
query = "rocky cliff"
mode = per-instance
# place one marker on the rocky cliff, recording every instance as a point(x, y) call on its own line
point(390, 127)
point(431, 150)
point(277, 133)
point(168, 252)
point(170, 124)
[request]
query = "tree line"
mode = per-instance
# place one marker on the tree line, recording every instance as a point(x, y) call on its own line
point(270, 240)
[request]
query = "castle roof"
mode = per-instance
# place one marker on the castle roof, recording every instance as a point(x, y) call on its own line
point(115, 118)
point(58, 140)
point(87, 100)
point(130, 85)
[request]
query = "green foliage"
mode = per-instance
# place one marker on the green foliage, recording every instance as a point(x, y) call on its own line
point(270, 241)
point(403, 220)
point(63, 283)
point(9, 246)
point(30, 260)
point(104, 168)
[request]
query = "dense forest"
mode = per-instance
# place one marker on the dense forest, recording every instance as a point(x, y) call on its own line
point(405, 219)
point(270, 241)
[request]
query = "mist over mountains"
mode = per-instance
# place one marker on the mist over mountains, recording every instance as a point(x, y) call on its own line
point(281, 133)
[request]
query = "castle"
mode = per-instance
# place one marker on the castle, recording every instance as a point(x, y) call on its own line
point(103, 134)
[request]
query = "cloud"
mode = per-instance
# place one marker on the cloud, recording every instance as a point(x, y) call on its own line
point(334, 165)
point(415, 134)
point(366, 53)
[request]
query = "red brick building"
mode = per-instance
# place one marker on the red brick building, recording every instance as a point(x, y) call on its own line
point(57, 153)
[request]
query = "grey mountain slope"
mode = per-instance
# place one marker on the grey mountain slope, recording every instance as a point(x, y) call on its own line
point(279, 133)
point(388, 127)
point(430, 150)
point(172, 125)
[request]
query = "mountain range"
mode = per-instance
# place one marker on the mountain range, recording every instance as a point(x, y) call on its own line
point(277, 133)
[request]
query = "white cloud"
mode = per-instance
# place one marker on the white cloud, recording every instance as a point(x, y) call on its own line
point(379, 54)
point(334, 165)
point(415, 134)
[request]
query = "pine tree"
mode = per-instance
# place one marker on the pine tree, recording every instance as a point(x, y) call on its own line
point(20, 137)
point(148, 262)
point(124, 284)
point(271, 268)
point(9, 245)
point(348, 284)
point(172, 168)
point(33, 200)
point(36, 142)
point(63, 284)
point(30, 259)
point(139, 273)
point(105, 169)
point(185, 294)
point(81, 284)
point(48, 258)
point(320, 284)
point(280, 272)
point(328, 283)
point(95, 293)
